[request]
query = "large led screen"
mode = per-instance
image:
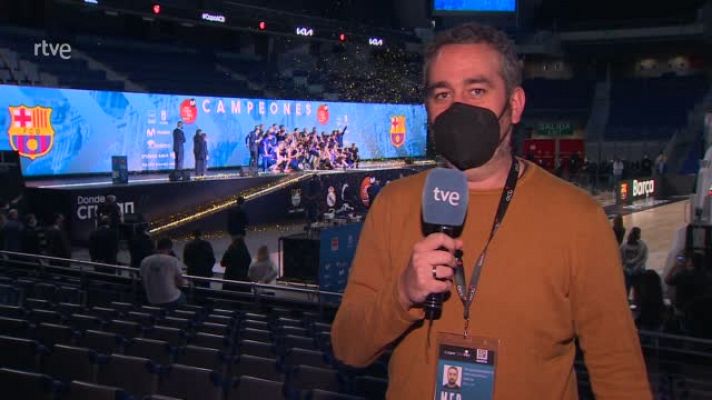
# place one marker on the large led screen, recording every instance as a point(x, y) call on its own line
point(67, 131)
point(465, 6)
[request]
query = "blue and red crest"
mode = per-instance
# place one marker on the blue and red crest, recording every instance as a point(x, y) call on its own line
point(31, 133)
point(398, 130)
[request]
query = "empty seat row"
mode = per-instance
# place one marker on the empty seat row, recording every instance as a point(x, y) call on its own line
point(139, 376)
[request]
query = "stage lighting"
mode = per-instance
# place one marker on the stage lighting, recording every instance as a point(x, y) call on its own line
point(262, 25)
point(156, 9)
point(342, 37)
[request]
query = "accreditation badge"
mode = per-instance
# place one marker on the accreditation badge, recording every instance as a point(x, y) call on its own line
point(466, 367)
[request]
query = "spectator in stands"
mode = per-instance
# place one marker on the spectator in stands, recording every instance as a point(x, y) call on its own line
point(236, 261)
point(58, 241)
point(634, 253)
point(200, 151)
point(162, 276)
point(198, 255)
point(650, 310)
point(178, 140)
point(262, 270)
point(104, 245)
point(31, 240)
point(646, 166)
point(689, 279)
point(111, 210)
point(618, 168)
point(618, 228)
point(12, 231)
point(569, 274)
point(237, 220)
point(140, 247)
point(660, 162)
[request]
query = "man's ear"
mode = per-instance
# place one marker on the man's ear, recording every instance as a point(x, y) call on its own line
point(516, 102)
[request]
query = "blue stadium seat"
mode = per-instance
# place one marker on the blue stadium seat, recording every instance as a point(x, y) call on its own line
point(370, 387)
point(220, 319)
point(259, 335)
point(102, 342)
point(27, 385)
point(79, 390)
point(180, 323)
point(174, 336)
point(303, 378)
point(68, 363)
point(296, 356)
point(138, 376)
point(68, 309)
point(14, 327)
point(318, 394)
point(18, 353)
point(39, 315)
point(10, 295)
point(127, 329)
point(214, 328)
point(203, 357)
point(12, 311)
point(51, 334)
point(191, 383)
point(83, 322)
point(158, 351)
point(255, 348)
point(212, 341)
point(260, 367)
point(250, 387)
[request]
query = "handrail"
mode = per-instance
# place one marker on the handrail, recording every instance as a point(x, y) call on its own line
point(662, 335)
point(133, 274)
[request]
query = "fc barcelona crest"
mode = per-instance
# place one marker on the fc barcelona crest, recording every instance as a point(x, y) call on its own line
point(31, 132)
point(398, 130)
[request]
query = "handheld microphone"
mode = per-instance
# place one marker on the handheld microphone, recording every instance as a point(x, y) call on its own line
point(445, 198)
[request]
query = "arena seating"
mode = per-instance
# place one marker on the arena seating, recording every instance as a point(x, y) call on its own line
point(165, 67)
point(652, 108)
point(69, 344)
point(121, 349)
point(558, 96)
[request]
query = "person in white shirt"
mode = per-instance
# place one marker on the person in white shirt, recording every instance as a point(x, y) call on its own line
point(162, 276)
point(262, 270)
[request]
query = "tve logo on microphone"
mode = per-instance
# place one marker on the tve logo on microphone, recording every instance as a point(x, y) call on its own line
point(450, 197)
point(445, 197)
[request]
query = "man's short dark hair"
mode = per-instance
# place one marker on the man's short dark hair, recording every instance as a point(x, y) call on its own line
point(197, 233)
point(164, 244)
point(474, 33)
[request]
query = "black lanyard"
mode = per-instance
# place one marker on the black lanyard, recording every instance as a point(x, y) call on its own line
point(505, 199)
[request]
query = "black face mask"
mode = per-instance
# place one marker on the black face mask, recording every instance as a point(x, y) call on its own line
point(467, 135)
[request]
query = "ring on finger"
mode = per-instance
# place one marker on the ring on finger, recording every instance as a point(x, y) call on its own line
point(435, 272)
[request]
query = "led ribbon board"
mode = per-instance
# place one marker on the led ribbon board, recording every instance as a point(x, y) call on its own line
point(67, 131)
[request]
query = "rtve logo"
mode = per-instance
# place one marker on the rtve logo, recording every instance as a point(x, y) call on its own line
point(61, 50)
point(452, 198)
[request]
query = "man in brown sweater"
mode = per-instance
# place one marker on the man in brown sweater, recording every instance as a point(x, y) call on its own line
point(552, 271)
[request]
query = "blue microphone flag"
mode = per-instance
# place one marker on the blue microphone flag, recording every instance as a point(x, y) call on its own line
point(445, 197)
